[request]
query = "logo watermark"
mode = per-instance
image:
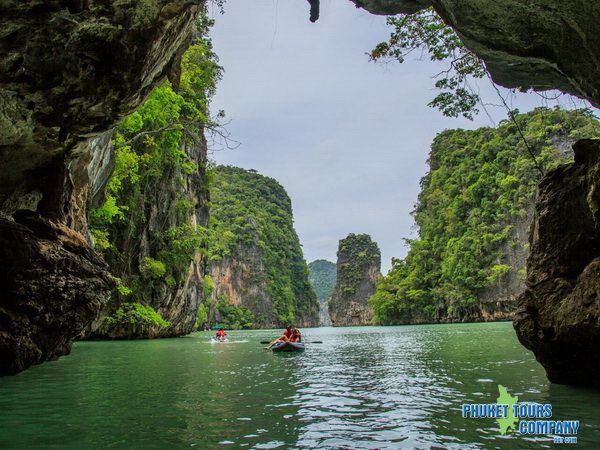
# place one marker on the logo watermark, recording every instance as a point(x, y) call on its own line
point(523, 418)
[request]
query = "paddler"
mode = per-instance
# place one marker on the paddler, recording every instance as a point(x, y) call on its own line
point(285, 337)
point(296, 335)
point(221, 334)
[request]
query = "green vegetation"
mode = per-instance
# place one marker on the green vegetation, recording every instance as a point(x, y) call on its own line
point(426, 31)
point(144, 227)
point(480, 183)
point(205, 305)
point(234, 317)
point(322, 275)
point(136, 313)
point(251, 215)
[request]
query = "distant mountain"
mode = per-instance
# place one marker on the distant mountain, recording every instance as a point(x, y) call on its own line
point(322, 275)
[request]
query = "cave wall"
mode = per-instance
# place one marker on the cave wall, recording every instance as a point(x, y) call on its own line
point(540, 44)
point(559, 312)
point(52, 286)
point(69, 70)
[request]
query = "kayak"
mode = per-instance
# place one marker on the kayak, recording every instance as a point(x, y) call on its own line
point(288, 347)
point(214, 339)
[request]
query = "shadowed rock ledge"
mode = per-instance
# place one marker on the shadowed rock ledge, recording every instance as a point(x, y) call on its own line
point(559, 313)
point(53, 285)
point(540, 44)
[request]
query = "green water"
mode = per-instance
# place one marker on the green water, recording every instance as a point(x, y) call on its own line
point(375, 387)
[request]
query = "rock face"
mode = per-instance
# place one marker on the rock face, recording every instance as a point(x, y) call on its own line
point(322, 275)
point(240, 280)
point(358, 269)
point(540, 44)
point(499, 300)
point(257, 267)
point(174, 298)
point(69, 71)
point(53, 286)
point(559, 313)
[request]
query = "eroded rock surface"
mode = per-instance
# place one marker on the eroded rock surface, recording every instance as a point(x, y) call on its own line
point(540, 44)
point(175, 298)
point(559, 313)
point(358, 269)
point(69, 70)
point(53, 286)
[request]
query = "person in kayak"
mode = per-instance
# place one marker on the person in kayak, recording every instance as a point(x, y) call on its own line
point(296, 336)
point(285, 337)
point(221, 334)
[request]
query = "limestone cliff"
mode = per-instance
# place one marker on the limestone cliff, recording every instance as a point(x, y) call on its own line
point(559, 313)
point(70, 70)
point(358, 269)
point(141, 255)
point(498, 300)
point(151, 225)
point(322, 275)
point(473, 216)
point(257, 268)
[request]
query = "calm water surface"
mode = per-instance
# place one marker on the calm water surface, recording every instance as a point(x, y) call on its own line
point(374, 387)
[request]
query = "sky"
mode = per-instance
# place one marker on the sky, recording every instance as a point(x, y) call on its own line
point(347, 138)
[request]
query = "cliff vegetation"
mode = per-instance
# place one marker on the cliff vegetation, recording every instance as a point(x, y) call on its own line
point(358, 269)
point(152, 225)
point(257, 267)
point(479, 189)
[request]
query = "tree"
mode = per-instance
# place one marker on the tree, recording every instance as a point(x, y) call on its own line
point(426, 31)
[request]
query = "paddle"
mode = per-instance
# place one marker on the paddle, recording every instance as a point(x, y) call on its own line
point(306, 342)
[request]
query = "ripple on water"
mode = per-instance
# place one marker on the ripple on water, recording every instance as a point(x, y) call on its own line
point(386, 387)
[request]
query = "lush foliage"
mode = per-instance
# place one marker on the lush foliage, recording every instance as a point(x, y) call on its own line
point(136, 313)
point(206, 304)
point(425, 31)
point(234, 317)
point(480, 183)
point(322, 275)
point(253, 213)
point(145, 227)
